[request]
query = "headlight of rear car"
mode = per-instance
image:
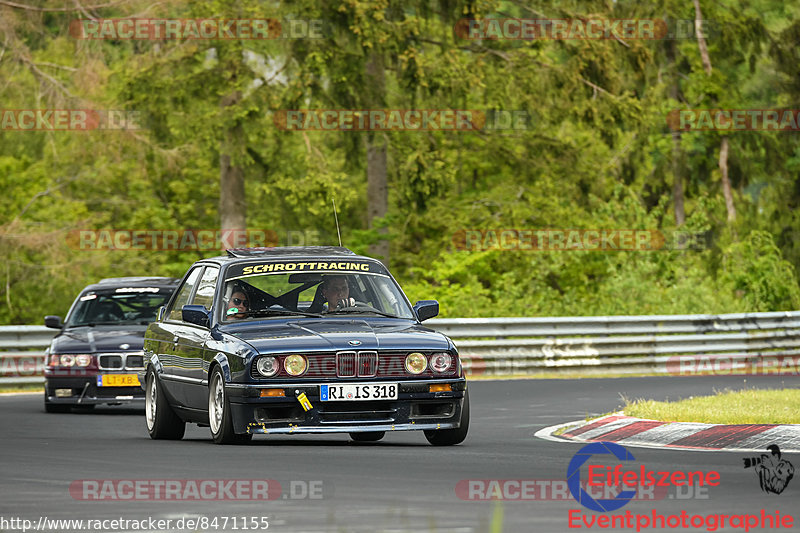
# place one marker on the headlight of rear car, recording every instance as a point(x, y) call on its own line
point(441, 362)
point(295, 365)
point(67, 360)
point(416, 363)
point(267, 366)
point(83, 359)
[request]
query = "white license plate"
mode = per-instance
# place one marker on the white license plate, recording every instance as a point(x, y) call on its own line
point(353, 392)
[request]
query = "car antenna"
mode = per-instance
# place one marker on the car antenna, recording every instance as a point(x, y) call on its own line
point(335, 216)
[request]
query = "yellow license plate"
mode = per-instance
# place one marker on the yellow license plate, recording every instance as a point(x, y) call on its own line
point(118, 380)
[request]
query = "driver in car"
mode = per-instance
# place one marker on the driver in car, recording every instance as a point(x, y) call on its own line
point(337, 292)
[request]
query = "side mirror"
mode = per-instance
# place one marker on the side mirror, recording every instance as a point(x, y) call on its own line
point(426, 309)
point(196, 314)
point(162, 312)
point(53, 321)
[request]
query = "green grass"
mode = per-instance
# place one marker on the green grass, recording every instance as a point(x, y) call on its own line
point(28, 387)
point(780, 406)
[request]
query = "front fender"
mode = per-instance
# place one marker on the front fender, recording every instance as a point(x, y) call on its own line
point(222, 360)
point(154, 362)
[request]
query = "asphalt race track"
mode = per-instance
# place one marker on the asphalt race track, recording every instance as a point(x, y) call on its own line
point(331, 484)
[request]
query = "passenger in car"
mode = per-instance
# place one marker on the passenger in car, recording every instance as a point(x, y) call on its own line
point(238, 304)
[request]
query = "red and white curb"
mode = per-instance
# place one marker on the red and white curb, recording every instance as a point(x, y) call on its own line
point(637, 432)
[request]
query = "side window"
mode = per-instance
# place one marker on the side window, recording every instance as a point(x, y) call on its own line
point(184, 293)
point(206, 287)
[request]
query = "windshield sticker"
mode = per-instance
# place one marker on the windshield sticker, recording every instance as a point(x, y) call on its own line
point(306, 267)
point(88, 297)
point(138, 289)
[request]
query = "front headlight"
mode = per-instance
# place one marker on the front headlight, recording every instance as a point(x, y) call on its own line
point(67, 360)
point(295, 365)
point(83, 359)
point(441, 362)
point(416, 363)
point(267, 366)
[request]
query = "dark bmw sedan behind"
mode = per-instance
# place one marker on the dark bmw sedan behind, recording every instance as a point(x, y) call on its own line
point(95, 357)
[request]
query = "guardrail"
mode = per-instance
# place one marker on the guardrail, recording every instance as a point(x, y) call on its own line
point(22, 353)
point(739, 343)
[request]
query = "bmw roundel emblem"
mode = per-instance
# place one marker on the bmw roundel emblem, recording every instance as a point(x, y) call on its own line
point(124, 346)
point(354, 343)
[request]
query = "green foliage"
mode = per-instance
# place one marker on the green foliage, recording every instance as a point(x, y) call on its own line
point(596, 152)
point(760, 276)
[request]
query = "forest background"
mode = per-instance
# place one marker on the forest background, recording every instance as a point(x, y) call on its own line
point(595, 151)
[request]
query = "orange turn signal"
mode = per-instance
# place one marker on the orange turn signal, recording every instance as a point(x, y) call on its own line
point(272, 393)
point(442, 387)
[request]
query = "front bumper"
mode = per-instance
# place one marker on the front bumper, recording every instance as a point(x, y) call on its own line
point(415, 409)
point(84, 391)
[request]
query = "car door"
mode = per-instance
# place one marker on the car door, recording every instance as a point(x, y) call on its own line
point(171, 333)
point(192, 351)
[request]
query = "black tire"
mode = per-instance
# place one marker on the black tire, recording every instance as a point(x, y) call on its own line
point(55, 407)
point(449, 437)
point(219, 412)
point(161, 420)
point(367, 436)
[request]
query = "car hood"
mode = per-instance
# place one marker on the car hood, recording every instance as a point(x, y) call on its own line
point(99, 339)
point(345, 334)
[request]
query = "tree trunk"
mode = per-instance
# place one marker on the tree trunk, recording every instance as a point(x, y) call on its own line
point(726, 183)
point(723, 147)
point(377, 181)
point(677, 179)
point(677, 159)
point(232, 204)
point(701, 40)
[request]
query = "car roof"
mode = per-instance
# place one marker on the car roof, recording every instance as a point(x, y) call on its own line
point(134, 281)
point(237, 255)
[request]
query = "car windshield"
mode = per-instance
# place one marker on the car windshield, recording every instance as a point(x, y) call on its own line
point(127, 305)
point(260, 296)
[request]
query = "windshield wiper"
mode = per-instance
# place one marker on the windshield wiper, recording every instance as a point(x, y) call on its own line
point(278, 312)
point(347, 310)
